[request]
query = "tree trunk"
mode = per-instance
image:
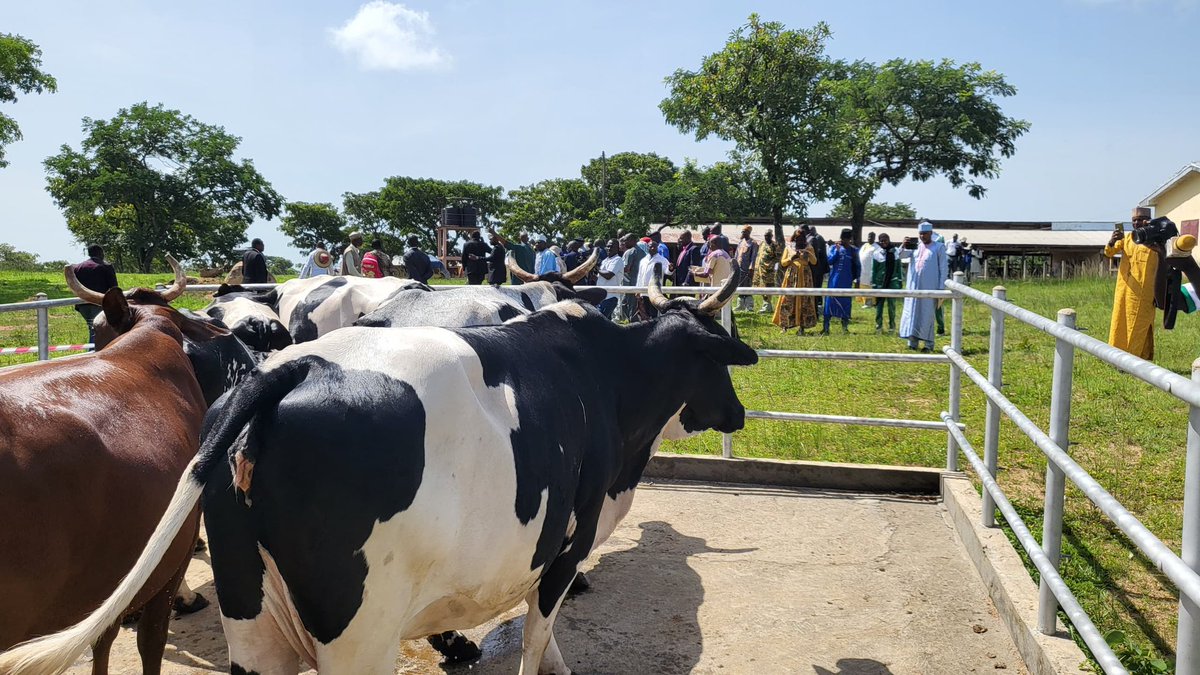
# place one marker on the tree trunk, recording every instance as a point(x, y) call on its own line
point(858, 211)
point(145, 261)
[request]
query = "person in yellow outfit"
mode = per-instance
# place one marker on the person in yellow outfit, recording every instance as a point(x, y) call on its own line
point(793, 311)
point(1133, 312)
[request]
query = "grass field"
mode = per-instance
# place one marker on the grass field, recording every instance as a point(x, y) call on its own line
point(1129, 436)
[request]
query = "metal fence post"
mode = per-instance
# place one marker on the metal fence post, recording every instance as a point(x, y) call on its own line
point(991, 431)
point(727, 324)
point(1060, 425)
point(1187, 650)
point(43, 330)
point(956, 319)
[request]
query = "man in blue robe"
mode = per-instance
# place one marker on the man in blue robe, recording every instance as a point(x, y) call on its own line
point(844, 271)
point(926, 272)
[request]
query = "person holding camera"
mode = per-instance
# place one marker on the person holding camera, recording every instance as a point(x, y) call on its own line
point(1132, 327)
point(927, 271)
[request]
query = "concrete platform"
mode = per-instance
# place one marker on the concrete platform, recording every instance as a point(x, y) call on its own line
point(733, 579)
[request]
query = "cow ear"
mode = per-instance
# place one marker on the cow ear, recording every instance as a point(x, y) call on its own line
point(116, 310)
point(725, 350)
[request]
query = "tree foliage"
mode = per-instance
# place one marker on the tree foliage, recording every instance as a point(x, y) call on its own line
point(153, 181)
point(877, 211)
point(20, 72)
point(280, 266)
point(309, 224)
point(917, 120)
point(553, 207)
point(405, 206)
point(765, 92)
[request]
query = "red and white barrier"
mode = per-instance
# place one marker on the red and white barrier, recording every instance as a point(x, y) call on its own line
point(54, 348)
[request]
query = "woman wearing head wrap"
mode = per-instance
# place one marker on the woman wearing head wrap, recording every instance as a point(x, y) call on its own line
point(794, 311)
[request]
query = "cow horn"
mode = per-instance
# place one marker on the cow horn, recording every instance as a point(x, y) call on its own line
point(713, 303)
point(82, 292)
point(176, 289)
point(516, 270)
point(586, 266)
point(654, 291)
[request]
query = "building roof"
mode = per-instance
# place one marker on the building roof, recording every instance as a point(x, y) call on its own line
point(997, 240)
point(1179, 175)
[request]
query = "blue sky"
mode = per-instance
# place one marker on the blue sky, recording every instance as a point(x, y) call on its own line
point(334, 96)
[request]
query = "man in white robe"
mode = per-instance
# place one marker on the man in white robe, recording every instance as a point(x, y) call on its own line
point(927, 270)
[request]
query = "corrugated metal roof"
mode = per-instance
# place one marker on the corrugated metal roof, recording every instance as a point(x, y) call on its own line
point(1179, 175)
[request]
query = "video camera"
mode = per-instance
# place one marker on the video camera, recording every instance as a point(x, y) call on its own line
point(1157, 231)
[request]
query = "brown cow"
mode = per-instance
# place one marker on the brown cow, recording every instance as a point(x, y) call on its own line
point(91, 448)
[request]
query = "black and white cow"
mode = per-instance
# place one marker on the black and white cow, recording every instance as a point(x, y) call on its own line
point(415, 307)
point(315, 306)
point(249, 317)
point(333, 538)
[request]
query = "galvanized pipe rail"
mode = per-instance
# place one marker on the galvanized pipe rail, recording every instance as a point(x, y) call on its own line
point(1182, 570)
point(1047, 568)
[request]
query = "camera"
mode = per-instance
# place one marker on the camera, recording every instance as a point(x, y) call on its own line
point(1157, 231)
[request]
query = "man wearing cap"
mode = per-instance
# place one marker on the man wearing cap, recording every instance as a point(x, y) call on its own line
point(352, 256)
point(926, 272)
point(318, 263)
point(866, 255)
point(1132, 327)
point(746, 256)
point(544, 260)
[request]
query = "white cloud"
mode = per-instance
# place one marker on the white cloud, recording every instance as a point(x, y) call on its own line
point(389, 36)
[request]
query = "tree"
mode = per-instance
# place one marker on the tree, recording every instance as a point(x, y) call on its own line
point(14, 260)
point(20, 71)
point(920, 119)
point(725, 191)
point(877, 211)
point(280, 266)
point(308, 224)
point(153, 181)
point(406, 206)
point(554, 207)
point(765, 92)
point(611, 177)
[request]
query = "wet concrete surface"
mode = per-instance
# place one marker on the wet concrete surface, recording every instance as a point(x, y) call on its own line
point(729, 579)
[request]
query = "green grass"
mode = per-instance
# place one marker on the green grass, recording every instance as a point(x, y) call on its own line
point(1130, 436)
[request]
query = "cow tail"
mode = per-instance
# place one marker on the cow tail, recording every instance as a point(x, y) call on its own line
point(55, 653)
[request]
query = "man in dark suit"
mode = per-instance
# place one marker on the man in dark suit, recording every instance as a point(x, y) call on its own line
point(254, 264)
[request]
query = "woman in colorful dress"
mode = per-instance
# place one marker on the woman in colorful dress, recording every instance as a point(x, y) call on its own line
point(793, 311)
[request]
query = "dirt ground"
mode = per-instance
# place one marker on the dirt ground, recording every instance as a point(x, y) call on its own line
point(727, 579)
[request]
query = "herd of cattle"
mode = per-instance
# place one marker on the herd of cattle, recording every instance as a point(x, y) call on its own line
point(375, 461)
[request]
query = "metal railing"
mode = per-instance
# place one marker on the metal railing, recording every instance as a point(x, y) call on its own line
point(1053, 592)
point(1181, 570)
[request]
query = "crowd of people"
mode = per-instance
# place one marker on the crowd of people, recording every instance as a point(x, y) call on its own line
point(806, 260)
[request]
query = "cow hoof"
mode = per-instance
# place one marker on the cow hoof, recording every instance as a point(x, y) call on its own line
point(198, 603)
point(455, 647)
point(579, 585)
point(200, 546)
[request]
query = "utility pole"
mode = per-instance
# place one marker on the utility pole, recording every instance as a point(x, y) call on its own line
point(604, 182)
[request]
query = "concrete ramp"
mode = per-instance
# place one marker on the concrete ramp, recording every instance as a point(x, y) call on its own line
point(733, 579)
